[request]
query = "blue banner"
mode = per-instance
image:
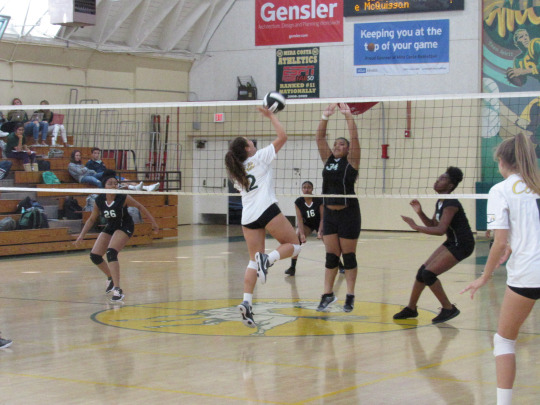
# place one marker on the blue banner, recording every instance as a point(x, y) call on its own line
point(402, 48)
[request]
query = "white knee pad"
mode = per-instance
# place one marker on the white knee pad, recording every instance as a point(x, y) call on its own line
point(503, 346)
point(297, 249)
point(252, 265)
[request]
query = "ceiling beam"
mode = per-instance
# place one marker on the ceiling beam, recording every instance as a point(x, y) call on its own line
point(202, 36)
point(105, 26)
point(183, 26)
point(145, 22)
point(171, 24)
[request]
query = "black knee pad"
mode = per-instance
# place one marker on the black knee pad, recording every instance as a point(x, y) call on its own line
point(349, 261)
point(96, 259)
point(332, 261)
point(419, 276)
point(429, 277)
point(112, 255)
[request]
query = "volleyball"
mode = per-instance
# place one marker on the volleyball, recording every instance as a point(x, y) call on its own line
point(274, 101)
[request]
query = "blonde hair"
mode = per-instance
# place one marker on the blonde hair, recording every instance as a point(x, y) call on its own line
point(519, 154)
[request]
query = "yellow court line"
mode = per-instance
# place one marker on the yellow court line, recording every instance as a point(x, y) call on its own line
point(400, 374)
point(137, 387)
point(304, 401)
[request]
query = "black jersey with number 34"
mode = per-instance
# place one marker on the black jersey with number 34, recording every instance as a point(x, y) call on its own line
point(116, 214)
point(339, 177)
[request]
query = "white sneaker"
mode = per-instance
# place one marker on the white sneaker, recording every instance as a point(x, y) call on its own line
point(5, 343)
point(138, 187)
point(153, 187)
point(118, 295)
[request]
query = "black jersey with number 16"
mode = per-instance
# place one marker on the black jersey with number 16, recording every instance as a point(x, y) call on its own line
point(311, 214)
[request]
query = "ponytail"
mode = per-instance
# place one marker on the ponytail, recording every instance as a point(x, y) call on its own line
point(234, 160)
point(519, 153)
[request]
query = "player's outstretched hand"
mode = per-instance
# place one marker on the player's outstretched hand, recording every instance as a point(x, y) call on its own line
point(265, 112)
point(330, 110)
point(345, 109)
point(474, 286)
point(409, 221)
point(78, 240)
point(416, 206)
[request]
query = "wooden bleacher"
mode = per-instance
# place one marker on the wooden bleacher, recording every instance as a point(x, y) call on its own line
point(162, 207)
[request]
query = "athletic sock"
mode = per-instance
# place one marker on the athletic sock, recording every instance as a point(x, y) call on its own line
point(504, 396)
point(274, 256)
point(249, 298)
point(293, 263)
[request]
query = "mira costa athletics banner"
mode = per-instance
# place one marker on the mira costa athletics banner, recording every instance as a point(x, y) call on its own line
point(402, 48)
point(297, 72)
point(284, 22)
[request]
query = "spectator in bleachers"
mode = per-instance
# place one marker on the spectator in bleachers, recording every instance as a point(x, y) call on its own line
point(54, 129)
point(31, 126)
point(16, 148)
point(5, 167)
point(17, 115)
point(95, 163)
point(3, 131)
point(81, 173)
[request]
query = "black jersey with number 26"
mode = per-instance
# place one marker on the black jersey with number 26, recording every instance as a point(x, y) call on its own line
point(116, 214)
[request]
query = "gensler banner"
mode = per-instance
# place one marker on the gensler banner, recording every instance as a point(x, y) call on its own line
point(284, 22)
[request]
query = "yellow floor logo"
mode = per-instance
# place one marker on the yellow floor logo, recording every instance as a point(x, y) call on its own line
point(274, 317)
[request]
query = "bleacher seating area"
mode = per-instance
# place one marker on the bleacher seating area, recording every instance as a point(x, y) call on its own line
point(62, 232)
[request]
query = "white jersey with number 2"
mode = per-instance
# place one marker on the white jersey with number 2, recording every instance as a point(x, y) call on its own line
point(512, 205)
point(260, 195)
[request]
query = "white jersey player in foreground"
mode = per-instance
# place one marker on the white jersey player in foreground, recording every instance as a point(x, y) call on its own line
point(513, 213)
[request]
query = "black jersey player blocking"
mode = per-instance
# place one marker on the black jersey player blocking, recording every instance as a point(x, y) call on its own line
point(341, 218)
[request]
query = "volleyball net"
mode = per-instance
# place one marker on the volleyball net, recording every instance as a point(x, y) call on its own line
point(407, 142)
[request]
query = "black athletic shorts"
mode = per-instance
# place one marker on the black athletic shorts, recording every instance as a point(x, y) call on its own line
point(345, 223)
point(127, 228)
point(313, 225)
point(268, 215)
point(532, 293)
point(460, 251)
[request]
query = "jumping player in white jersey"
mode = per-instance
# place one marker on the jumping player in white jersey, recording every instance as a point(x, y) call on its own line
point(513, 214)
point(252, 173)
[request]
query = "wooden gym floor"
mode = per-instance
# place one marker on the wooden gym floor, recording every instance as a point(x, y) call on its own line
point(178, 337)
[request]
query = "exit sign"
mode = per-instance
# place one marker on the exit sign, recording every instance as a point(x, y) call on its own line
point(219, 117)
